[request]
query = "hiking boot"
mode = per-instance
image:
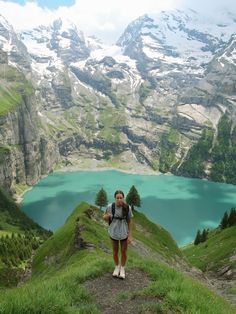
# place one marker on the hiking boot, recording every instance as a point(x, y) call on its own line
point(122, 273)
point(116, 271)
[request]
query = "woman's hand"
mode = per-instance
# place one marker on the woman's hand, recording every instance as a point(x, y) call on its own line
point(107, 216)
point(129, 239)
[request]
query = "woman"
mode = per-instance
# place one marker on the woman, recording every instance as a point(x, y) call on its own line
point(119, 215)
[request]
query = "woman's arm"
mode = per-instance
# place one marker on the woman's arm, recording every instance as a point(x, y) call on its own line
point(129, 230)
point(106, 216)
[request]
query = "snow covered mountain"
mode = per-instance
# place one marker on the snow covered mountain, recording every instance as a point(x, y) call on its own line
point(175, 47)
point(171, 71)
point(167, 53)
point(15, 49)
point(177, 37)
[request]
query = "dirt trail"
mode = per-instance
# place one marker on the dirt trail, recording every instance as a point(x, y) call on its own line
point(114, 295)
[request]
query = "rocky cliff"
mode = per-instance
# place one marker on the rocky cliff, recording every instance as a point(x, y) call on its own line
point(146, 100)
point(26, 153)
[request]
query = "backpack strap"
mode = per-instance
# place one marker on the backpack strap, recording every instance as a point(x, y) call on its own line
point(127, 214)
point(113, 209)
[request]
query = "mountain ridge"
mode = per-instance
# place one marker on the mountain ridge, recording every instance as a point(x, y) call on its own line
point(95, 102)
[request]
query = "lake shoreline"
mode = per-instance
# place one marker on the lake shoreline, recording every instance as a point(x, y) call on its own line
point(98, 169)
point(181, 205)
point(140, 171)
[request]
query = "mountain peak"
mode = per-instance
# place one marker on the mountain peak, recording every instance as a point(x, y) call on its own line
point(63, 24)
point(4, 23)
point(133, 30)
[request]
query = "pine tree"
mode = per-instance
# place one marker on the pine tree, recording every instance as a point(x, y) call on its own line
point(232, 217)
point(133, 198)
point(101, 198)
point(197, 238)
point(204, 235)
point(224, 221)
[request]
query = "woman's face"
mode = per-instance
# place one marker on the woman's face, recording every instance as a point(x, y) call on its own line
point(119, 199)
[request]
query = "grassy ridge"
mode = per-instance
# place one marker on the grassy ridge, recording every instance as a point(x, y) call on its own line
point(155, 237)
point(56, 286)
point(61, 244)
point(215, 252)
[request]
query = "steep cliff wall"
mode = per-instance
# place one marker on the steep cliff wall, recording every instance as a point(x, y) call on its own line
point(25, 152)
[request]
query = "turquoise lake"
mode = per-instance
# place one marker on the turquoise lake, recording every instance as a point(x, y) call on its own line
point(180, 205)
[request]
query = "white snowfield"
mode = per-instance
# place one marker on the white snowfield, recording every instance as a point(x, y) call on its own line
point(173, 42)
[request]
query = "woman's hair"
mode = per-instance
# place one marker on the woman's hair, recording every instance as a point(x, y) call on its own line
point(119, 192)
point(125, 206)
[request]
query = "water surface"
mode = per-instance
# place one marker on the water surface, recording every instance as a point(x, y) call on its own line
point(181, 205)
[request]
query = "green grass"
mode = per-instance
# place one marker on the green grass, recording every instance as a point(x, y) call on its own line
point(6, 224)
point(4, 148)
point(116, 161)
point(111, 119)
point(61, 244)
point(71, 116)
point(138, 108)
point(177, 293)
point(4, 151)
point(12, 88)
point(63, 292)
point(21, 188)
point(12, 219)
point(144, 91)
point(155, 164)
point(122, 296)
point(56, 287)
point(169, 143)
point(215, 252)
point(3, 233)
point(8, 100)
point(155, 237)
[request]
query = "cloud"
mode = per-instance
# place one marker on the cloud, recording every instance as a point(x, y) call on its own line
point(105, 19)
point(211, 5)
point(108, 19)
point(25, 16)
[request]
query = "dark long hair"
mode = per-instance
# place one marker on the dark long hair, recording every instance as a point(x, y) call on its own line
point(125, 206)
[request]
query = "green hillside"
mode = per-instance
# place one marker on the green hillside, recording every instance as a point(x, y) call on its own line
point(19, 237)
point(12, 219)
point(81, 250)
point(215, 252)
point(13, 87)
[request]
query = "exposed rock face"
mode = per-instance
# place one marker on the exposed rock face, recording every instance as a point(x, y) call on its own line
point(168, 74)
point(26, 152)
point(30, 155)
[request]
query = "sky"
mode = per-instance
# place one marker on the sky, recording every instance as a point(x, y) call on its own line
point(106, 19)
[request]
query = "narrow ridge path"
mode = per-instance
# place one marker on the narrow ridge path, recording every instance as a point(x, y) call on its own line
point(115, 295)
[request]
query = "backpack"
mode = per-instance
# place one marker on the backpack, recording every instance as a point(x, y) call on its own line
point(113, 209)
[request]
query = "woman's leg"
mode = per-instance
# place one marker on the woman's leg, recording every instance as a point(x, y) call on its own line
point(124, 245)
point(115, 249)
